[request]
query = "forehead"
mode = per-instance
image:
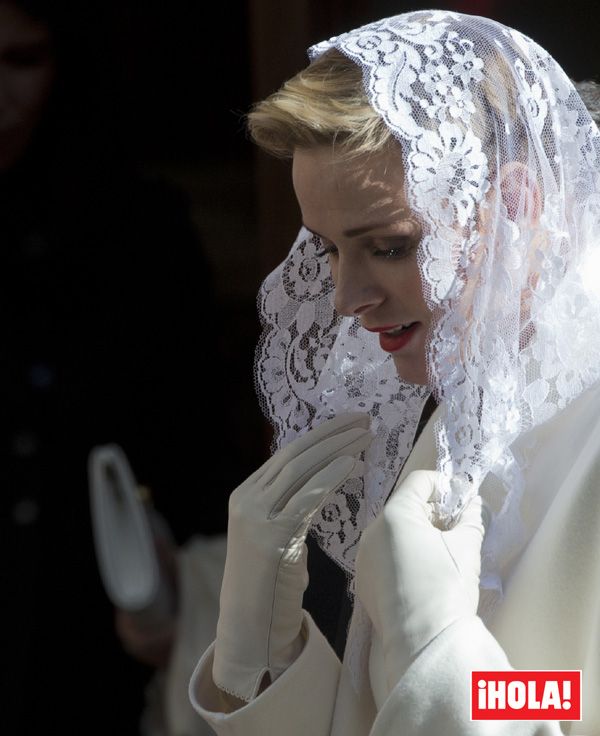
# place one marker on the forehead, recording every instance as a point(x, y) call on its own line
point(334, 190)
point(17, 28)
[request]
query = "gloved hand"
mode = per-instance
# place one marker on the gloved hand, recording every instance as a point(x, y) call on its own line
point(414, 579)
point(265, 575)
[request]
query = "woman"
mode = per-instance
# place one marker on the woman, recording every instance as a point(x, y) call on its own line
point(448, 177)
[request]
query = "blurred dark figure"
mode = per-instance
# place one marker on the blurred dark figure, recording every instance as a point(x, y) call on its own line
point(108, 334)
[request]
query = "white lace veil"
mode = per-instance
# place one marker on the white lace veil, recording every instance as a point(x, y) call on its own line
point(512, 277)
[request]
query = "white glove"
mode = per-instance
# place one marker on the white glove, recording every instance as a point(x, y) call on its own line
point(414, 579)
point(265, 576)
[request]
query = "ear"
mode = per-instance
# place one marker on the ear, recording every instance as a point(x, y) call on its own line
point(520, 192)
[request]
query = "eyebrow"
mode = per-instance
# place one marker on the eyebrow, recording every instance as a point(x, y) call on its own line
point(356, 231)
point(34, 45)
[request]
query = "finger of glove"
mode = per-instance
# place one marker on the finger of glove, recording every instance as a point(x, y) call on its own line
point(300, 469)
point(417, 488)
point(305, 504)
point(464, 539)
point(300, 445)
point(470, 523)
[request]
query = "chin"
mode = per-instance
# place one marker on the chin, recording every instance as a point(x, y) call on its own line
point(411, 372)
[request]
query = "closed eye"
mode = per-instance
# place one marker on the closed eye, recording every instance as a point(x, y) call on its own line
point(28, 55)
point(403, 248)
point(326, 251)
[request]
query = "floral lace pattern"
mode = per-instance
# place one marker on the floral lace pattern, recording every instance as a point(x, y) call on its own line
point(311, 364)
point(424, 73)
point(502, 167)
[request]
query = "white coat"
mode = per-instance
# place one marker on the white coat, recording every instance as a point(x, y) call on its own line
point(549, 618)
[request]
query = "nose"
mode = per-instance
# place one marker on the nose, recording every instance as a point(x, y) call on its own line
point(4, 93)
point(8, 106)
point(356, 290)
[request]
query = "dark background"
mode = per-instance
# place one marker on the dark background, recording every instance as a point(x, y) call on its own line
point(157, 90)
point(187, 79)
point(185, 76)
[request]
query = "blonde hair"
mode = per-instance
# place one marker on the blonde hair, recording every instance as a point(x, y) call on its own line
point(325, 103)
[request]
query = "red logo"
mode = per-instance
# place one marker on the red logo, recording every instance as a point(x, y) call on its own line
point(526, 695)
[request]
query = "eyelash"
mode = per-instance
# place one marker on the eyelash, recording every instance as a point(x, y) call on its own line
point(395, 253)
point(26, 58)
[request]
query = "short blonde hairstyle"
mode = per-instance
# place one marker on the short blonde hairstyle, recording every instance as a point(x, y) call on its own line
point(325, 103)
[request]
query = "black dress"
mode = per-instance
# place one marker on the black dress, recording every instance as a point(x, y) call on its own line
point(326, 597)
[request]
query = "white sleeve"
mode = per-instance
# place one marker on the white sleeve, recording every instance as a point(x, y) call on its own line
point(433, 696)
point(301, 701)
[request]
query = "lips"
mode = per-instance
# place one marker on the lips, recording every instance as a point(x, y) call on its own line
point(401, 336)
point(386, 328)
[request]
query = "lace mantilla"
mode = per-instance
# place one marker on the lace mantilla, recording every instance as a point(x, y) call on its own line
point(502, 167)
point(312, 364)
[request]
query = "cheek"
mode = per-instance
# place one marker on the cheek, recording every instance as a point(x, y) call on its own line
point(27, 91)
point(333, 269)
point(23, 97)
point(406, 286)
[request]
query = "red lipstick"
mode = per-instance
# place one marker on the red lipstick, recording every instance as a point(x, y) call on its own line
point(393, 343)
point(382, 329)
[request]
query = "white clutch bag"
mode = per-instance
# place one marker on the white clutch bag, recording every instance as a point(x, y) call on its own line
point(124, 529)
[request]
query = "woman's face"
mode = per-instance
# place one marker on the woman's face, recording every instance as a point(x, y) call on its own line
point(27, 69)
point(358, 208)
